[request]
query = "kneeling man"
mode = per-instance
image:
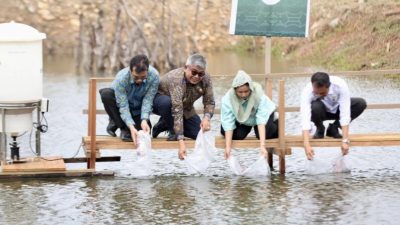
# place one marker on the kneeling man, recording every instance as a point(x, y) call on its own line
point(328, 98)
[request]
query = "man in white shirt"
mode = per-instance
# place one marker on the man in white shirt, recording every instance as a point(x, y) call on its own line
point(328, 98)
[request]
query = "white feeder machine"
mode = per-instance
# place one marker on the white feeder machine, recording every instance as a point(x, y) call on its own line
point(21, 81)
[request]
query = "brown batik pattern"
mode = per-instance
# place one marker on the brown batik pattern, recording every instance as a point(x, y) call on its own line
point(184, 94)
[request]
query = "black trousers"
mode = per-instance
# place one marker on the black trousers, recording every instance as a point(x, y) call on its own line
point(319, 113)
point(110, 105)
point(241, 131)
point(162, 107)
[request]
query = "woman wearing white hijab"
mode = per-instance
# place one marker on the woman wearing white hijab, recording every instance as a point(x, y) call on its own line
point(246, 106)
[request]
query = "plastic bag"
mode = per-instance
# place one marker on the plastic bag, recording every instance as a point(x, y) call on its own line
point(313, 128)
point(259, 168)
point(235, 166)
point(203, 154)
point(317, 166)
point(339, 164)
point(143, 165)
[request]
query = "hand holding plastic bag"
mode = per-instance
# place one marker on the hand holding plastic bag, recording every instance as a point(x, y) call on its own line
point(143, 165)
point(203, 154)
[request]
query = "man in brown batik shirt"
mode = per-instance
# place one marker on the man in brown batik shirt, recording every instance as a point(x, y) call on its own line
point(177, 92)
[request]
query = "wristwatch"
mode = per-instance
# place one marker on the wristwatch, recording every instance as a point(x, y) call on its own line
point(346, 141)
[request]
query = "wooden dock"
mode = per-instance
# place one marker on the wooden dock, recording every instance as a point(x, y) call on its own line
point(51, 174)
point(36, 164)
point(41, 167)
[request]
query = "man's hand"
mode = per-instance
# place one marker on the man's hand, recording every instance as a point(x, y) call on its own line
point(145, 126)
point(309, 152)
point(227, 153)
point(182, 150)
point(345, 148)
point(205, 124)
point(134, 134)
point(307, 147)
point(263, 151)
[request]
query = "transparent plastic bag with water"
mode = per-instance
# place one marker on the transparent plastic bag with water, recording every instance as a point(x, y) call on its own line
point(143, 165)
point(203, 154)
point(259, 168)
point(317, 166)
point(340, 164)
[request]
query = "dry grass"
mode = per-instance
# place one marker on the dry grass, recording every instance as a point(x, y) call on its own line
point(363, 39)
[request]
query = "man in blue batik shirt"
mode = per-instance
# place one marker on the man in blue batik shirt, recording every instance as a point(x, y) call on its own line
point(129, 101)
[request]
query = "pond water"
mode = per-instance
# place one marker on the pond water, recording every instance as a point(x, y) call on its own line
point(369, 194)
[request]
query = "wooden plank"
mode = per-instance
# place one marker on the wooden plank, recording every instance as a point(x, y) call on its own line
point(355, 140)
point(48, 174)
point(362, 140)
point(385, 139)
point(54, 163)
point(198, 111)
point(369, 106)
point(101, 159)
point(249, 142)
point(108, 142)
point(388, 139)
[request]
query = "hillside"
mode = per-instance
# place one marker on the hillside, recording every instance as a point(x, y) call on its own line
point(350, 36)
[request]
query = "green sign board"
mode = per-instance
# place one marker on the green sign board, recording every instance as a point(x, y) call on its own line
point(283, 18)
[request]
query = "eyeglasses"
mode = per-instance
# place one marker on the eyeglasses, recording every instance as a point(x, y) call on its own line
point(136, 77)
point(197, 73)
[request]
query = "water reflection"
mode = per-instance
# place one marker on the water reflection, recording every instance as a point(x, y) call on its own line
point(327, 199)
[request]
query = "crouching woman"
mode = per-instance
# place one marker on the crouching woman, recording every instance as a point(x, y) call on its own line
point(246, 106)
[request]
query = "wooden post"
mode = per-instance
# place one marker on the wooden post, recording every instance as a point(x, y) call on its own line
point(267, 55)
point(92, 123)
point(281, 111)
point(88, 115)
point(268, 88)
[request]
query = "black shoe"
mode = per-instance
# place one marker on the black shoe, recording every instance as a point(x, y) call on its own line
point(159, 128)
point(125, 135)
point(172, 136)
point(320, 132)
point(333, 131)
point(111, 128)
